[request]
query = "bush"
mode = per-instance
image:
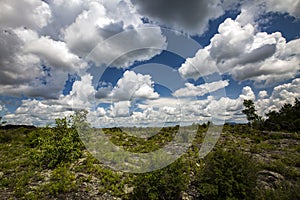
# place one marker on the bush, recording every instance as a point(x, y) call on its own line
point(62, 181)
point(227, 175)
point(57, 145)
point(296, 124)
point(166, 183)
point(284, 191)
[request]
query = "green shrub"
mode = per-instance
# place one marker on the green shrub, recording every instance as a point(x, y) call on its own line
point(166, 183)
point(62, 180)
point(227, 175)
point(285, 191)
point(57, 145)
point(13, 136)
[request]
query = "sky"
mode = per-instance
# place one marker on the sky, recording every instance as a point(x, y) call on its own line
point(147, 63)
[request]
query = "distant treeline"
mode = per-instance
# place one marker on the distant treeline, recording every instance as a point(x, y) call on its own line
point(11, 126)
point(285, 119)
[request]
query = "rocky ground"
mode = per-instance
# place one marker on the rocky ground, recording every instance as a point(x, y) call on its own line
point(277, 154)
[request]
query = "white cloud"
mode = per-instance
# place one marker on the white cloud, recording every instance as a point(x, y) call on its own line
point(282, 94)
point(121, 36)
point(131, 45)
point(200, 65)
point(55, 53)
point(231, 41)
point(26, 13)
point(82, 36)
point(64, 13)
point(34, 112)
point(256, 11)
point(120, 109)
point(246, 54)
point(153, 111)
point(48, 87)
point(82, 95)
point(40, 112)
point(169, 110)
point(32, 65)
point(291, 7)
point(14, 64)
point(42, 41)
point(200, 90)
point(285, 93)
point(3, 109)
point(247, 93)
point(47, 37)
point(134, 86)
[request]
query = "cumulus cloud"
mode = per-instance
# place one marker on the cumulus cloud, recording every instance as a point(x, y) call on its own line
point(42, 41)
point(64, 13)
point(3, 109)
point(39, 113)
point(104, 90)
point(14, 64)
point(120, 109)
point(50, 43)
point(245, 54)
point(200, 65)
point(291, 7)
point(44, 86)
point(121, 37)
point(30, 64)
point(33, 14)
point(231, 41)
point(129, 46)
point(132, 86)
point(55, 53)
point(247, 93)
point(252, 11)
point(156, 111)
point(82, 95)
point(200, 90)
point(187, 111)
point(82, 36)
point(282, 94)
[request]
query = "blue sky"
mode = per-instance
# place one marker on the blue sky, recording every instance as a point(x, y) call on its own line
point(147, 63)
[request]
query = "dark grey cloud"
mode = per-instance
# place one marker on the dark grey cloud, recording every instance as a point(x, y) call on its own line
point(258, 54)
point(188, 15)
point(254, 66)
point(111, 29)
point(103, 93)
point(10, 44)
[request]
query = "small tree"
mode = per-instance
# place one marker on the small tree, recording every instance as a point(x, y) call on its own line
point(252, 117)
point(61, 144)
point(250, 110)
point(79, 119)
point(1, 117)
point(2, 122)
